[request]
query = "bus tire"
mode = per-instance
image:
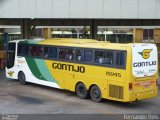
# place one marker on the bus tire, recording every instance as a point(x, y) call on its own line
point(81, 91)
point(95, 94)
point(22, 78)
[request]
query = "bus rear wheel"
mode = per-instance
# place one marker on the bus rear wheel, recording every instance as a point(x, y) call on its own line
point(22, 78)
point(81, 91)
point(95, 94)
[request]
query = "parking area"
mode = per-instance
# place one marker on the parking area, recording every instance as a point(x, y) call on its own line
point(36, 99)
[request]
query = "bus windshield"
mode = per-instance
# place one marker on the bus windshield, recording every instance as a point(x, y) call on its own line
point(11, 55)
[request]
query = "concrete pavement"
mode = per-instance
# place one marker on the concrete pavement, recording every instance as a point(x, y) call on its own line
point(36, 99)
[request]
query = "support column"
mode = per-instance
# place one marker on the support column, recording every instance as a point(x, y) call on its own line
point(47, 33)
point(137, 35)
point(157, 38)
point(93, 29)
point(77, 33)
point(25, 28)
point(157, 35)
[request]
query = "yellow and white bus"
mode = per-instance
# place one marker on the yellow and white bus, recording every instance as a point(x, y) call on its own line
point(120, 72)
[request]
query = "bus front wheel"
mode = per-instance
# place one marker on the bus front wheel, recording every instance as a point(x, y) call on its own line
point(81, 91)
point(22, 78)
point(95, 94)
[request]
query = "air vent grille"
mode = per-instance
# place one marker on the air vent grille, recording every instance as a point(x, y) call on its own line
point(116, 91)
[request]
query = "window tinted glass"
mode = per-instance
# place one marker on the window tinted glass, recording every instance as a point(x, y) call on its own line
point(120, 59)
point(79, 55)
point(84, 55)
point(104, 57)
point(22, 50)
point(50, 52)
point(36, 51)
point(88, 55)
point(11, 55)
point(66, 54)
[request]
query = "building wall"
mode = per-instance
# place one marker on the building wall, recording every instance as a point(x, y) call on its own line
point(117, 9)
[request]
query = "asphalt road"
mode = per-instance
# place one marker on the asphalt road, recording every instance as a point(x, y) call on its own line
point(36, 99)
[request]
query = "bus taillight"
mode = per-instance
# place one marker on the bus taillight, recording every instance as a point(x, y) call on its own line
point(130, 86)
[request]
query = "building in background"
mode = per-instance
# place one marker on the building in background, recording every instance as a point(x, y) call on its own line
point(120, 21)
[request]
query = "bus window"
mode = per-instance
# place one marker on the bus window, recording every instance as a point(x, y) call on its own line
point(36, 51)
point(50, 52)
point(66, 54)
point(120, 58)
point(20, 53)
point(22, 50)
point(84, 55)
point(88, 55)
point(99, 56)
point(104, 57)
point(25, 50)
point(11, 55)
point(79, 55)
point(32, 51)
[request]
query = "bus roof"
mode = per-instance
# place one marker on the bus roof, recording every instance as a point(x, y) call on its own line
point(83, 43)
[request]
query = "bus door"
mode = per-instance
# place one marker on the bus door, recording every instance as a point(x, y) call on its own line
point(10, 60)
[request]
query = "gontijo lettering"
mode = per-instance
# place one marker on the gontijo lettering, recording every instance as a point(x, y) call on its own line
point(68, 67)
point(142, 64)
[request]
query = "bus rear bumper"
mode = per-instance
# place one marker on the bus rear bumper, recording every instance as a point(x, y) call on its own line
point(143, 95)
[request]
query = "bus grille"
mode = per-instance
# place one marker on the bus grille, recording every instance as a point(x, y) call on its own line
point(116, 91)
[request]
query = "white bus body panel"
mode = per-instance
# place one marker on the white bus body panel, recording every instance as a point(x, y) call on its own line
point(20, 64)
point(144, 60)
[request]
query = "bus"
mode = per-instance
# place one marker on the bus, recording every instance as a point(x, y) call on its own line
point(90, 68)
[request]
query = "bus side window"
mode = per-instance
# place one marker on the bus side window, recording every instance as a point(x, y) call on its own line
point(25, 50)
point(99, 57)
point(104, 57)
point(84, 55)
point(46, 52)
point(22, 50)
point(61, 53)
point(31, 51)
point(108, 57)
point(79, 55)
point(36, 51)
point(88, 55)
point(50, 52)
point(69, 54)
point(120, 58)
point(66, 54)
point(39, 51)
